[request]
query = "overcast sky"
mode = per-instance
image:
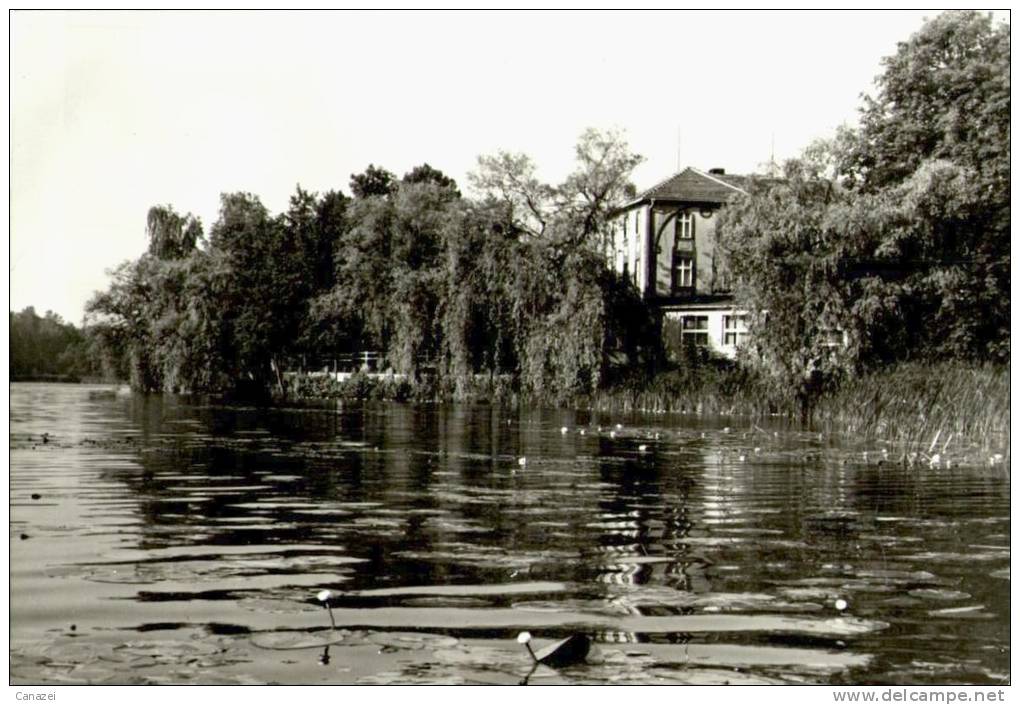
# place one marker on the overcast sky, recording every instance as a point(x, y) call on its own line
point(112, 113)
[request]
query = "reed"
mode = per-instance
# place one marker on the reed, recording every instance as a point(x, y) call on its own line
point(925, 413)
point(936, 414)
point(948, 413)
point(706, 389)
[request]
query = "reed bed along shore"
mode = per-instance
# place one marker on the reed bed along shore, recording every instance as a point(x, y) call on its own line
point(937, 414)
point(940, 414)
point(945, 414)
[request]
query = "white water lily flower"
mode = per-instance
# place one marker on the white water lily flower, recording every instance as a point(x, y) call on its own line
point(524, 637)
point(841, 604)
point(324, 595)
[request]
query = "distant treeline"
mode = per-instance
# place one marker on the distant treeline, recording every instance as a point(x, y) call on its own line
point(49, 349)
point(891, 239)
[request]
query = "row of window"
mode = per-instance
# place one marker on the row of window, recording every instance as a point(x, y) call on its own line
point(694, 330)
point(683, 271)
point(684, 225)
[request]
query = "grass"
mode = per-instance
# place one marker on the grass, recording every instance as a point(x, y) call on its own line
point(929, 413)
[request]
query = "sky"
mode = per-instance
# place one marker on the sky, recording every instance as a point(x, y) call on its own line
point(114, 112)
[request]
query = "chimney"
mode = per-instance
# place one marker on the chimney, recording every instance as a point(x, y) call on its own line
point(717, 170)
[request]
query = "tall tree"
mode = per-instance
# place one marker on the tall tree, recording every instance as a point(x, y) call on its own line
point(511, 181)
point(600, 182)
point(426, 174)
point(945, 94)
point(171, 236)
point(904, 248)
point(374, 181)
point(938, 132)
point(575, 211)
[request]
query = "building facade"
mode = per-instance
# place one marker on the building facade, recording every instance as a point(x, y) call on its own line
point(664, 240)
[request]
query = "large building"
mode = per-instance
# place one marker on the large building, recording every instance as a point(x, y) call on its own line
point(664, 240)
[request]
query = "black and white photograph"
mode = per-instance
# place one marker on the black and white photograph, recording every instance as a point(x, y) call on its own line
point(510, 348)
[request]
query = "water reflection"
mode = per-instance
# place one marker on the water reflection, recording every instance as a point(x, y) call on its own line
point(704, 547)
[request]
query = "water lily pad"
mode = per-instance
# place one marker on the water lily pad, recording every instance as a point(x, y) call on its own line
point(937, 594)
point(413, 641)
point(146, 653)
point(439, 601)
point(569, 605)
point(286, 641)
point(399, 677)
point(968, 612)
point(269, 605)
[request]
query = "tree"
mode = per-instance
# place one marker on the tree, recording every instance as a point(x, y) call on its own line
point(374, 181)
point(945, 95)
point(425, 174)
point(389, 265)
point(574, 212)
point(47, 347)
point(938, 132)
point(903, 247)
point(171, 236)
point(331, 223)
point(272, 264)
point(118, 319)
point(510, 180)
point(786, 260)
point(600, 183)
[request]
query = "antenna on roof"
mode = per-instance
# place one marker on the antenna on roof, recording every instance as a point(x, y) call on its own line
point(679, 141)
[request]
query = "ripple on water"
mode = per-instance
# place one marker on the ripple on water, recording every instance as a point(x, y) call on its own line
point(683, 564)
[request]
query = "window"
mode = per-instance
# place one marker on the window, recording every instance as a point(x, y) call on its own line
point(832, 338)
point(636, 222)
point(734, 330)
point(694, 331)
point(685, 226)
point(683, 273)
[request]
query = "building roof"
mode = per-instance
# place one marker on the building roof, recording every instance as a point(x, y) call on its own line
point(695, 186)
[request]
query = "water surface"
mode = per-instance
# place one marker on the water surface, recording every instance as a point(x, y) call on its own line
point(159, 539)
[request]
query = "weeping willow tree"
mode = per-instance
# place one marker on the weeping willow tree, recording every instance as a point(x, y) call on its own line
point(171, 236)
point(507, 284)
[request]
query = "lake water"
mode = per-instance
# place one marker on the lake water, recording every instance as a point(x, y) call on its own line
point(167, 540)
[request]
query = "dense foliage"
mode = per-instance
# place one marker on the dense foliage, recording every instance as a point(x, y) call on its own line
point(887, 244)
point(45, 348)
point(443, 286)
point(890, 242)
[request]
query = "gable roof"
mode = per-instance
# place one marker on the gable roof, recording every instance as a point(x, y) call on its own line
point(695, 186)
